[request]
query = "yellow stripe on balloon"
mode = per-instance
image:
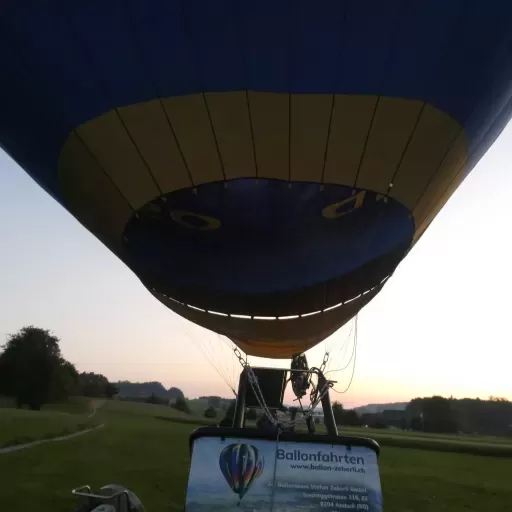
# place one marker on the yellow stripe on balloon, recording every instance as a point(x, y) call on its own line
point(396, 147)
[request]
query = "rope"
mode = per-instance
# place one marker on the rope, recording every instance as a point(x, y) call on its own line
point(354, 365)
point(253, 381)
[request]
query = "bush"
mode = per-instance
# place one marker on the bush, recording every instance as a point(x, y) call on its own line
point(210, 412)
point(227, 421)
point(181, 405)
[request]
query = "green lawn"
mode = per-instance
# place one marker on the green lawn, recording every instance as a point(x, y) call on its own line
point(19, 426)
point(152, 456)
point(75, 405)
point(199, 405)
point(475, 445)
point(161, 412)
point(425, 435)
point(143, 409)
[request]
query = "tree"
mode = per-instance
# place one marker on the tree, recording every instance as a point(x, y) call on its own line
point(437, 414)
point(351, 418)
point(175, 393)
point(93, 384)
point(416, 423)
point(32, 368)
point(111, 390)
point(181, 405)
point(227, 421)
point(339, 413)
point(210, 412)
point(345, 417)
point(96, 385)
point(64, 382)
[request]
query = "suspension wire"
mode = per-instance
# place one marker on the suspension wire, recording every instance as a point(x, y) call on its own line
point(354, 366)
point(352, 355)
point(215, 366)
point(230, 368)
point(216, 361)
point(348, 362)
point(342, 350)
point(219, 357)
point(201, 345)
point(233, 371)
point(222, 360)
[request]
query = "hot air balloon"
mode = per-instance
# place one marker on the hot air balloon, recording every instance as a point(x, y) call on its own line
point(241, 465)
point(262, 166)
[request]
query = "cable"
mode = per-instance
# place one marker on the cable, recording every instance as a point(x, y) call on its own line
point(353, 367)
point(342, 349)
point(202, 346)
point(352, 354)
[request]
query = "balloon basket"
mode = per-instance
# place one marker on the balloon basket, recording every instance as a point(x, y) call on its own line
point(271, 388)
point(281, 471)
point(279, 468)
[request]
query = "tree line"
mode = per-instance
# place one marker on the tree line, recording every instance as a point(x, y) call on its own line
point(34, 372)
point(434, 414)
point(137, 390)
point(449, 415)
point(438, 414)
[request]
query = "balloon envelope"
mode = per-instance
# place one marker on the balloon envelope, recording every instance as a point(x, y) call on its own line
point(241, 465)
point(262, 166)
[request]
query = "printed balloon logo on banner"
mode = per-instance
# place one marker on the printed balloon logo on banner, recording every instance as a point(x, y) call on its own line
point(241, 465)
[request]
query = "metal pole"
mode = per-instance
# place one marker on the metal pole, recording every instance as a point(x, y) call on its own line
point(330, 422)
point(293, 414)
point(238, 417)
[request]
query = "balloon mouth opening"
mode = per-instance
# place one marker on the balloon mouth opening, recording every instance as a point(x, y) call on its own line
point(269, 266)
point(278, 318)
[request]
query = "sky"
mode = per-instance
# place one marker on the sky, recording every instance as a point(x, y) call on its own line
point(441, 325)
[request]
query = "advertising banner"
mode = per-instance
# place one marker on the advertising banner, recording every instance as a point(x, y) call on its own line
point(252, 474)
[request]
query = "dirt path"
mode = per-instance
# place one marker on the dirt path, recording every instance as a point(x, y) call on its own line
point(18, 447)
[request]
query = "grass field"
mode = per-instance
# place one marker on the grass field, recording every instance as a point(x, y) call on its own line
point(427, 436)
point(152, 456)
point(475, 445)
point(19, 426)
